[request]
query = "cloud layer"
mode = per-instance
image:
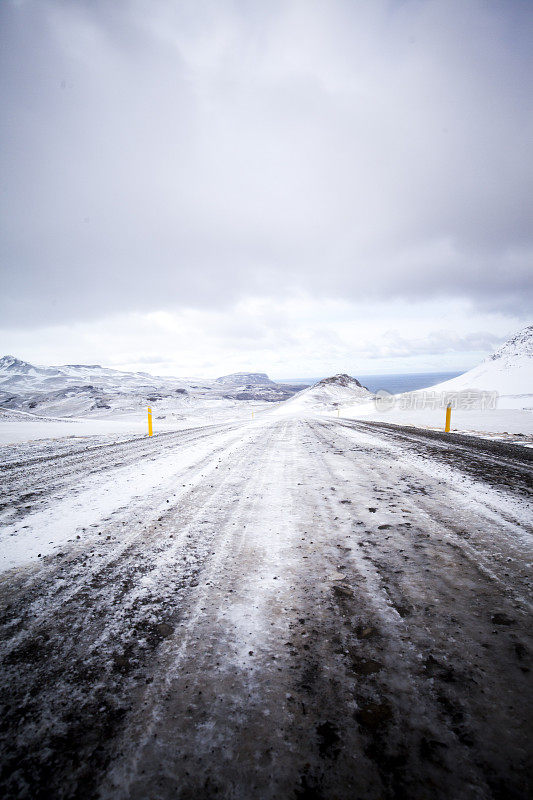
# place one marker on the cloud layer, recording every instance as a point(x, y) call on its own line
point(165, 155)
point(299, 337)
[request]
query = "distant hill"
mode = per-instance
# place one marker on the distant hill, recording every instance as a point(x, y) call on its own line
point(330, 393)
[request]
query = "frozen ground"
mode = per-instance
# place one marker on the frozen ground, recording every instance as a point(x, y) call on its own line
point(283, 608)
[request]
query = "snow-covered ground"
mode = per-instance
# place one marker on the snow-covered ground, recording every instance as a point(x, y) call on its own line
point(502, 423)
point(494, 398)
point(282, 607)
point(16, 426)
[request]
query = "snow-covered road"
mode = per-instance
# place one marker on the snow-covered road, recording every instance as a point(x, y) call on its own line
point(289, 608)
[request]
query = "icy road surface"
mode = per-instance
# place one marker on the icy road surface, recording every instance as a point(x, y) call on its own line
point(293, 608)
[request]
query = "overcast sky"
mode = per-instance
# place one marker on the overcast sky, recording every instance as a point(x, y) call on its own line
point(195, 187)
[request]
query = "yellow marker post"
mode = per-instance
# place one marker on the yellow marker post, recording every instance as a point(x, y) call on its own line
point(338, 412)
point(448, 419)
point(150, 431)
point(252, 414)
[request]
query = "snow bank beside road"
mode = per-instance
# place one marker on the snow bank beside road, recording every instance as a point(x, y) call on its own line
point(515, 422)
point(16, 427)
point(490, 421)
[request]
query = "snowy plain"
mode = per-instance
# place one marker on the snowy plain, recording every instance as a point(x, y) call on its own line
point(18, 427)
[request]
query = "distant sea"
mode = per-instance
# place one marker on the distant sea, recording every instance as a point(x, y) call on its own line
point(395, 384)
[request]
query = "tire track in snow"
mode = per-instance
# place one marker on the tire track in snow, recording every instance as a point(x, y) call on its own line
point(45, 478)
point(451, 636)
point(368, 674)
point(88, 630)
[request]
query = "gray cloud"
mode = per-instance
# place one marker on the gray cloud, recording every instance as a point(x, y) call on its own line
point(188, 154)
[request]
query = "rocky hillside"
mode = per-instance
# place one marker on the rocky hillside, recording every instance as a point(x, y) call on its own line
point(516, 350)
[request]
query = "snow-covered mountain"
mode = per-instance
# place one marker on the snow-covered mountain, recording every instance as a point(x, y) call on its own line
point(329, 394)
point(516, 350)
point(20, 376)
point(79, 389)
point(508, 371)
